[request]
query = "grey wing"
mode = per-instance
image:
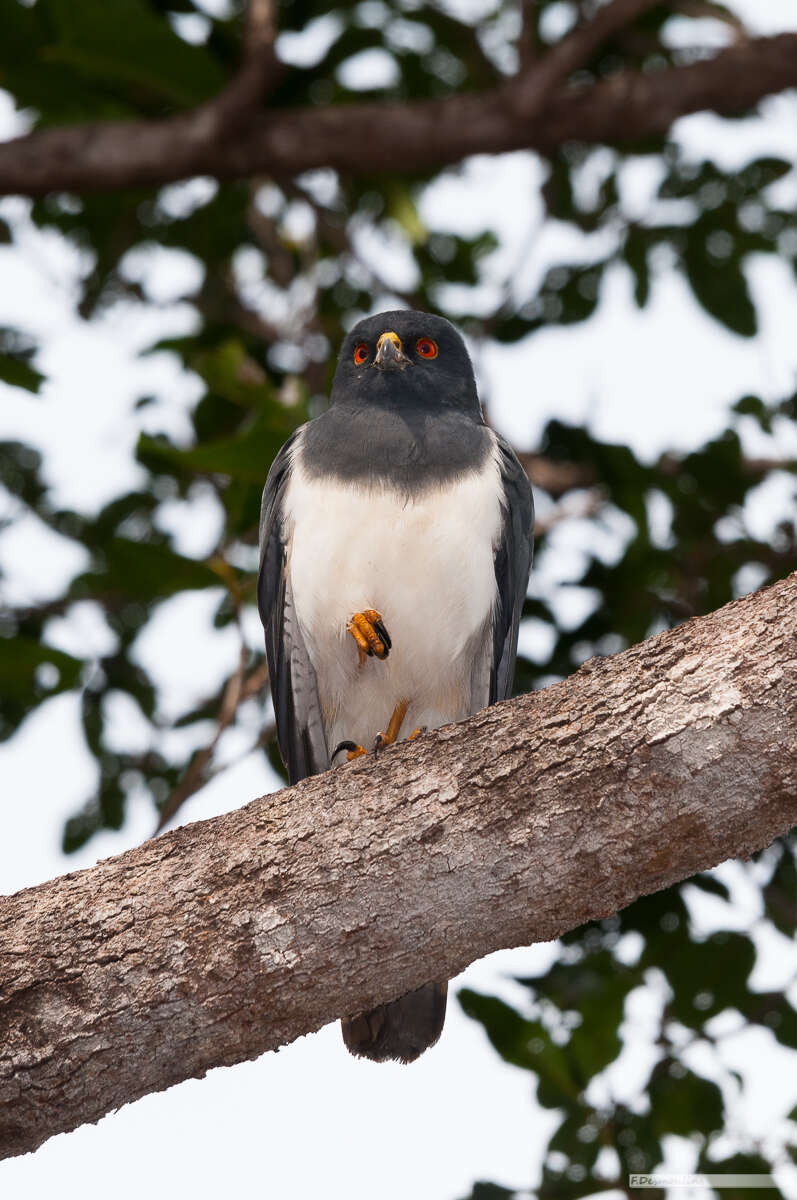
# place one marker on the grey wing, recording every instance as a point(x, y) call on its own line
point(294, 688)
point(494, 666)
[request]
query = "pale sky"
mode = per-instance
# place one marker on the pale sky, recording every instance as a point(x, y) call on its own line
point(310, 1120)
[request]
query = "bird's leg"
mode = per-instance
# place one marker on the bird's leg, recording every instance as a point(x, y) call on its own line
point(355, 750)
point(394, 725)
point(370, 634)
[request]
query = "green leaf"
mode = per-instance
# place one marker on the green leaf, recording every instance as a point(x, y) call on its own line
point(490, 1191)
point(779, 894)
point(709, 976)
point(142, 571)
point(16, 352)
point(595, 988)
point(748, 1163)
point(16, 372)
point(80, 827)
point(21, 659)
point(682, 1102)
point(710, 883)
point(30, 673)
point(245, 457)
point(127, 45)
point(636, 256)
point(525, 1044)
point(762, 172)
point(773, 1011)
point(720, 288)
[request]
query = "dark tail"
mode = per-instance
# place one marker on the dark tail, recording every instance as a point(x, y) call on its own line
point(402, 1029)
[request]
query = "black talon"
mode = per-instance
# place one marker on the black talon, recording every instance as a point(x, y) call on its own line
point(384, 636)
point(379, 744)
point(352, 746)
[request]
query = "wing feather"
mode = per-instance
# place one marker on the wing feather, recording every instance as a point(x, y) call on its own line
point(494, 668)
point(294, 688)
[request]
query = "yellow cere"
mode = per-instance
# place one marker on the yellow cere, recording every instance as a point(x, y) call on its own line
point(393, 337)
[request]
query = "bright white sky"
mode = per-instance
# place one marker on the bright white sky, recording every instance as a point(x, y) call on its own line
point(310, 1120)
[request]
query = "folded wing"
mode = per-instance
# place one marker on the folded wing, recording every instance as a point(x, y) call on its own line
point(300, 730)
point(494, 664)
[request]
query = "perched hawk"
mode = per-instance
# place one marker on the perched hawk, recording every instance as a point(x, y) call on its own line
point(402, 452)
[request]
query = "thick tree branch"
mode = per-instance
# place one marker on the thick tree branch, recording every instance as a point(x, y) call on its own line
point(376, 137)
point(229, 937)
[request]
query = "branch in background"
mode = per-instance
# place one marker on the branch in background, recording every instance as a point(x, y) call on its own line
point(374, 137)
point(580, 508)
point(258, 73)
point(229, 937)
point(200, 769)
point(554, 476)
point(755, 468)
point(714, 12)
point(557, 476)
point(527, 44)
point(533, 87)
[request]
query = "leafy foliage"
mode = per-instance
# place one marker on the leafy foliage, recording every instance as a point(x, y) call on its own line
point(579, 1023)
point(284, 267)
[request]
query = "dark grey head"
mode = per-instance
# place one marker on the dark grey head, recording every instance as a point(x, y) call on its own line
point(405, 359)
point(404, 408)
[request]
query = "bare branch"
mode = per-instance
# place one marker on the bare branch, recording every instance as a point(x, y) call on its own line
point(229, 937)
point(716, 12)
point(534, 86)
point(259, 68)
point(199, 770)
point(557, 476)
point(527, 40)
point(419, 136)
point(587, 505)
point(554, 476)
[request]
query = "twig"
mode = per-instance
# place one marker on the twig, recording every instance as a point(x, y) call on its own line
point(574, 509)
point(238, 689)
point(527, 40)
point(216, 119)
point(533, 86)
point(258, 72)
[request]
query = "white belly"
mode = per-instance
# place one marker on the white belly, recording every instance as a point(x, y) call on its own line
point(426, 565)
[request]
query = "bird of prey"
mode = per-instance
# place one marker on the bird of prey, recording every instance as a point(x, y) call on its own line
point(395, 549)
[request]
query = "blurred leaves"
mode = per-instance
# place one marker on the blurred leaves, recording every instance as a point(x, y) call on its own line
point(16, 352)
point(93, 60)
point(577, 1024)
point(29, 673)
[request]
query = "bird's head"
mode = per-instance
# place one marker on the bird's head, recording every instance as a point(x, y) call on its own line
point(405, 359)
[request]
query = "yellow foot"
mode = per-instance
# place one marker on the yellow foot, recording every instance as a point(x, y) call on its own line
point(370, 634)
point(388, 738)
point(353, 750)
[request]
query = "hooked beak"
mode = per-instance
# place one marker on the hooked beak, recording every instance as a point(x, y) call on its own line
point(389, 354)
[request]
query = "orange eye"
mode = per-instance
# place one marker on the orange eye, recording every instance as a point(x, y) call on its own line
point(426, 348)
point(361, 353)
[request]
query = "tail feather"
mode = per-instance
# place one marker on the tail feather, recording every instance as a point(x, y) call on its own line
point(400, 1030)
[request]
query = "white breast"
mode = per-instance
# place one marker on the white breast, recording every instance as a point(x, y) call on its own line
point(425, 564)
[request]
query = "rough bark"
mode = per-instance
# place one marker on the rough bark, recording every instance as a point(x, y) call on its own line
point(534, 110)
point(229, 937)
